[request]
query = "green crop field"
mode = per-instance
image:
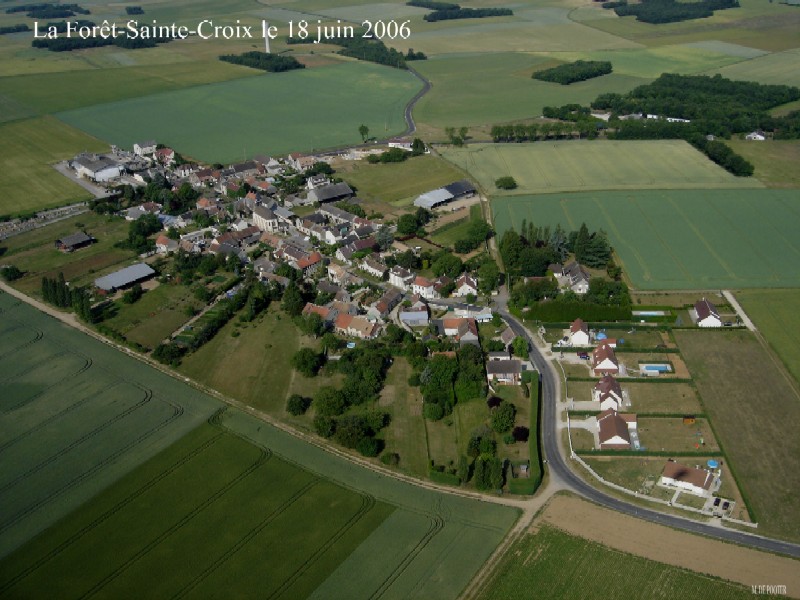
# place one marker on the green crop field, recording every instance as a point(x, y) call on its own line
point(755, 24)
point(740, 383)
point(29, 148)
point(774, 313)
point(544, 167)
point(777, 68)
point(652, 62)
point(555, 564)
point(273, 113)
point(464, 86)
point(694, 239)
point(94, 440)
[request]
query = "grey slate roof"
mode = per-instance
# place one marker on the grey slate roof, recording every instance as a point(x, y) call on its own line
point(124, 277)
point(76, 239)
point(460, 188)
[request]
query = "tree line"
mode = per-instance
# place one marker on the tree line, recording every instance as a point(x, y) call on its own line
point(580, 70)
point(368, 49)
point(48, 10)
point(274, 63)
point(14, 28)
point(531, 132)
point(58, 293)
point(466, 13)
point(669, 11)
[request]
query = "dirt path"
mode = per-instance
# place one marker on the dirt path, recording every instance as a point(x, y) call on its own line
point(739, 310)
point(656, 542)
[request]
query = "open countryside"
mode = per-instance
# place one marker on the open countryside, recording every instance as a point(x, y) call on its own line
point(564, 166)
point(284, 111)
point(157, 441)
point(693, 239)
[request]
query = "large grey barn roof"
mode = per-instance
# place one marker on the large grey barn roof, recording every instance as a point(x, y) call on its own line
point(329, 192)
point(433, 198)
point(124, 277)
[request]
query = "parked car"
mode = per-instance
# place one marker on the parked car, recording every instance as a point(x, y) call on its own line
point(583, 356)
point(725, 505)
point(717, 501)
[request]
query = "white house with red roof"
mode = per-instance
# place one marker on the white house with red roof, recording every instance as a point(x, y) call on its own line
point(608, 393)
point(615, 430)
point(465, 285)
point(579, 333)
point(604, 360)
point(707, 314)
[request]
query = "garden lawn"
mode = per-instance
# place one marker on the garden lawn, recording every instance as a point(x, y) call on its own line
point(29, 148)
point(739, 382)
point(694, 239)
point(648, 397)
point(273, 112)
point(574, 165)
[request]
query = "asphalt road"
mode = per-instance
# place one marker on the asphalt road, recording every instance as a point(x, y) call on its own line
point(558, 467)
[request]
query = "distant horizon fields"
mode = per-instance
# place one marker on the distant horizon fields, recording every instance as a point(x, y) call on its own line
point(680, 239)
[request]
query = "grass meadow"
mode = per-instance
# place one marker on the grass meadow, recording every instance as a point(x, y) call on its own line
point(274, 113)
point(29, 148)
point(693, 239)
point(559, 565)
point(574, 165)
point(93, 440)
point(739, 383)
point(774, 313)
point(34, 252)
point(462, 82)
point(779, 68)
point(775, 161)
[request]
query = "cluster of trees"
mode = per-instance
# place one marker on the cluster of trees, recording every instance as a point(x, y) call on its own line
point(605, 301)
point(274, 63)
point(362, 48)
point(669, 11)
point(307, 361)
point(291, 183)
point(477, 233)
point(466, 13)
point(189, 266)
point(444, 381)
point(58, 293)
point(14, 28)
point(457, 138)
point(392, 155)
point(133, 295)
point(412, 223)
point(580, 70)
point(48, 10)
point(411, 55)
point(68, 44)
point(134, 10)
point(138, 234)
point(433, 5)
point(487, 470)
point(505, 183)
point(10, 273)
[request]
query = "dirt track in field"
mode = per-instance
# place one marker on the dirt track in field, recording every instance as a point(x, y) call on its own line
point(666, 545)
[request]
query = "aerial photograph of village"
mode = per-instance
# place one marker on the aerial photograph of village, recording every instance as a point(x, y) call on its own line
point(394, 299)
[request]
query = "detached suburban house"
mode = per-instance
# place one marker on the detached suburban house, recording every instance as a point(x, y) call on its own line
point(608, 393)
point(707, 315)
point(506, 372)
point(689, 479)
point(604, 361)
point(401, 278)
point(615, 430)
point(579, 333)
point(356, 326)
point(466, 285)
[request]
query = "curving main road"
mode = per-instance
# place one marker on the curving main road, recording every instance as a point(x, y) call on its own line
point(559, 468)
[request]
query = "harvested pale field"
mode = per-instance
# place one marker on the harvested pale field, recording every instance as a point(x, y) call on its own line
point(663, 544)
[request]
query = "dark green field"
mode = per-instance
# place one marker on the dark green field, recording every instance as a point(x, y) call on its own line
point(117, 480)
point(691, 239)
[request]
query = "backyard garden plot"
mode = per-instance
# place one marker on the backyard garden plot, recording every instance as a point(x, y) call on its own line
point(698, 239)
point(545, 167)
point(555, 564)
point(648, 397)
point(464, 89)
point(740, 383)
point(274, 113)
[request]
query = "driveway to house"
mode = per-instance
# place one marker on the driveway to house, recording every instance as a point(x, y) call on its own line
point(739, 310)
